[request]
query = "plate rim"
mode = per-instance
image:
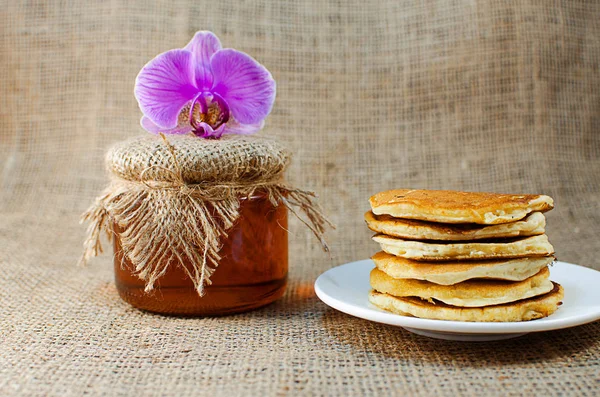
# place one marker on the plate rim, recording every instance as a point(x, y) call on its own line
point(372, 313)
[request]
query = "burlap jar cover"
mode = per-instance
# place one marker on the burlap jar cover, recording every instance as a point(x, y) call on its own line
point(162, 191)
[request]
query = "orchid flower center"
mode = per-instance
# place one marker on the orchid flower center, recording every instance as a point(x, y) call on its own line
point(206, 108)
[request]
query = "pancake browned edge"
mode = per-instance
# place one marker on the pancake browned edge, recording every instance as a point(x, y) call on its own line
point(470, 293)
point(532, 225)
point(447, 206)
point(452, 250)
point(523, 310)
point(448, 273)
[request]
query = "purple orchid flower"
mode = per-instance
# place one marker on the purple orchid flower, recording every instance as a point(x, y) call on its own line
point(204, 89)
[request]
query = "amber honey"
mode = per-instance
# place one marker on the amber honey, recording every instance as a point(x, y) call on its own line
point(252, 272)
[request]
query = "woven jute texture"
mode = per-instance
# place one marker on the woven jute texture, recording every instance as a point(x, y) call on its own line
point(372, 95)
point(232, 160)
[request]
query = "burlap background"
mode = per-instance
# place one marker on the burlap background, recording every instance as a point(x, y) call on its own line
point(479, 95)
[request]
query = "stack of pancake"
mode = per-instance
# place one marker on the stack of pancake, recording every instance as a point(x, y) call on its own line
point(462, 256)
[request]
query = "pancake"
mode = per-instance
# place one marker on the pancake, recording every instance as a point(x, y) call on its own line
point(446, 206)
point(448, 273)
point(534, 224)
point(470, 293)
point(523, 310)
point(444, 251)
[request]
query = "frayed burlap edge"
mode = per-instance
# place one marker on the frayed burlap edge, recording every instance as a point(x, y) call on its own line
point(159, 225)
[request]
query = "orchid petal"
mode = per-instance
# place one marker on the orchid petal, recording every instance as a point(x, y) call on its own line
point(203, 46)
point(246, 85)
point(165, 85)
point(149, 126)
point(234, 127)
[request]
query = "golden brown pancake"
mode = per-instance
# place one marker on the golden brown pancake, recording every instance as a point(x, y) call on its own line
point(445, 251)
point(448, 273)
point(447, 206)
point(523, 310)
point(532, 225)
point(470, 293)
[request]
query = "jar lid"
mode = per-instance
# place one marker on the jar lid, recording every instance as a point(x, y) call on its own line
point(233, 158)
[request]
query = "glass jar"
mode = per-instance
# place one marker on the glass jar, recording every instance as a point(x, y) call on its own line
point(174, 193)
point(252, 272)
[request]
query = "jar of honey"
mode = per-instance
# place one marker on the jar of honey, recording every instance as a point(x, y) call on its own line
point(252, 271)
point(199, 226)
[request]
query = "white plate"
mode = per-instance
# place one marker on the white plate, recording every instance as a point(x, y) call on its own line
point(346, 289)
